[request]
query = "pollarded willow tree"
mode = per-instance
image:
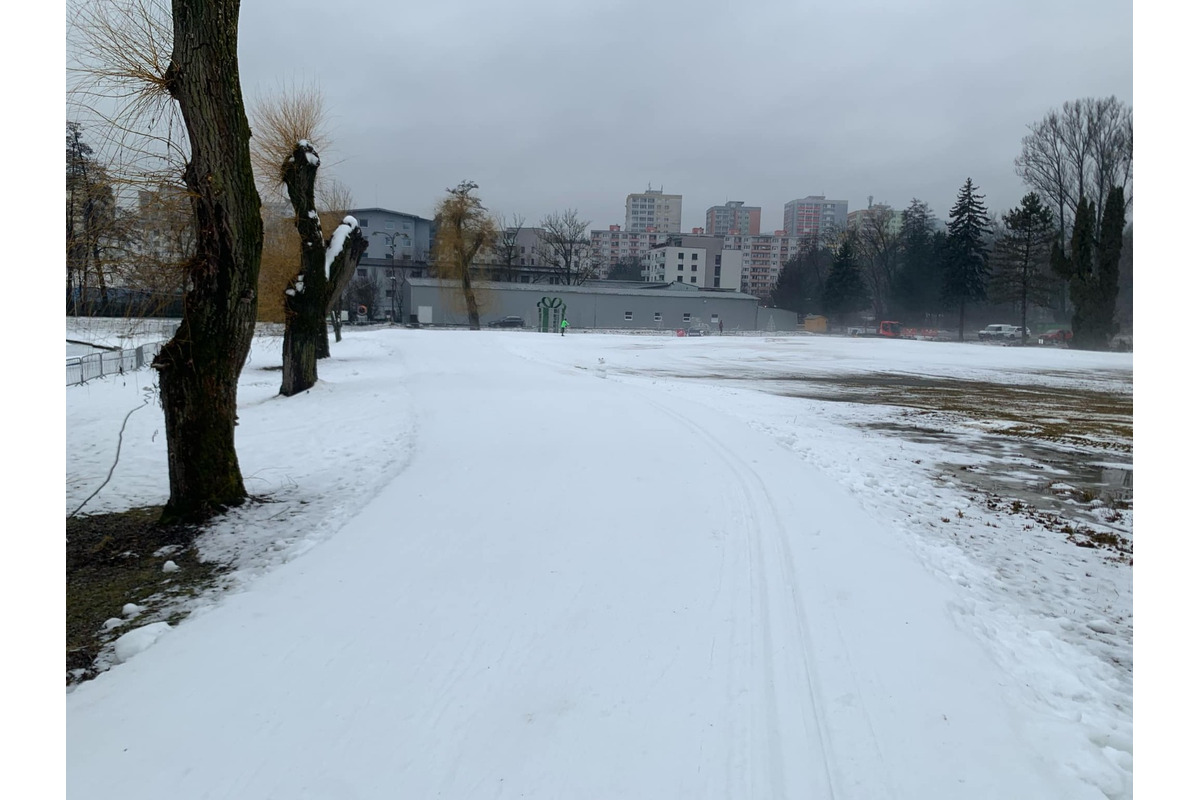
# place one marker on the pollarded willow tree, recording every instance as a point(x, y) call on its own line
point(325, 268)
point(199, 367)
point(285, 155)
point(281, 119)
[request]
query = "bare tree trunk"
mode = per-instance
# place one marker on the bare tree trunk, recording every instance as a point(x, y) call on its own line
point(323, 341)
point(199, 367)
point(340, 272)
point(304, 304)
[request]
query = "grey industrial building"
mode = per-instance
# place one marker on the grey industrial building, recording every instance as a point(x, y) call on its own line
point(610, 305)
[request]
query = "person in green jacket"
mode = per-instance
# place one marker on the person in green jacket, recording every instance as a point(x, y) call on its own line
point(563, 327)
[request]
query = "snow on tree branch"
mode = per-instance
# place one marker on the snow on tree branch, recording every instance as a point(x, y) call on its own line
point(336, 241)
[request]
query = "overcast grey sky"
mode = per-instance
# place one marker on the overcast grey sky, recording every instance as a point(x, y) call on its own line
point(555, 104)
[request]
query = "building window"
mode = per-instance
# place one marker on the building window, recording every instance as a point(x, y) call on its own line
point(658, 316)
point(694, 256)
point(681, 256)
point(388, 293)
point(693, 269)
point(693, 279)
point(390, 225)
point(679, 279)
point(687, 317)
point(715, 319)
point(362, 273)
point(362, 222)
point(628, 316)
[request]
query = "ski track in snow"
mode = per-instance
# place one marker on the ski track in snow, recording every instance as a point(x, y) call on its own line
point(756, 506)
point(757, 663)
point(1019, 605)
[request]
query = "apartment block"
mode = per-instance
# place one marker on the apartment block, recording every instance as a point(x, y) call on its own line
point(733, 217)
point(653, 211)
point(762, 257)
point(886, 216)
point(813, 216)
point(614, 245)
point(697, 260)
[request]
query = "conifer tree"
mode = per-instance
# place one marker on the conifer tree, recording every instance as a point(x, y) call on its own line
point(844, 289)
point(965, 266)
point(1092, 270)
point(917, 288)
point(1022, 257)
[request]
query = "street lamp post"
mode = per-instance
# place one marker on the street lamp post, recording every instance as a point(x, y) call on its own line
point(393, 277)
point(391, 238)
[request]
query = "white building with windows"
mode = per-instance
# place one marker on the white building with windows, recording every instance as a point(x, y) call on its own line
point(652, 210)
point(615, 245)
point(696, 260)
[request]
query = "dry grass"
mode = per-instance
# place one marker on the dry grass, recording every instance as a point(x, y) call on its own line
point(111, 561)
point(1068, 416)
point(278, 121)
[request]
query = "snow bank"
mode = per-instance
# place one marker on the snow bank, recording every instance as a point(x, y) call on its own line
point(135, 641)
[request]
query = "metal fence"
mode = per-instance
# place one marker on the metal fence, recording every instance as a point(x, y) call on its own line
point(115, 362)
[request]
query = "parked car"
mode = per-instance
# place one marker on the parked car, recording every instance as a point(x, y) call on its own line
point(701, 329)
point(1059, 336)
point(508, 322)
point(1001, 332)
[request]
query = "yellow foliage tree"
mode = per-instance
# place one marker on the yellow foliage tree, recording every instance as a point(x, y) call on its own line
point(464, 230)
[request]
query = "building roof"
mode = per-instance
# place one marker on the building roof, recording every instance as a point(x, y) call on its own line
point(358, 211)
point(627, 288)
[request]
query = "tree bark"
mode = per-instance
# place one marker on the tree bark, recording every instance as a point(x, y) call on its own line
point(340, 272)
point(469, 294)
point(199, 367)
point(304, 303)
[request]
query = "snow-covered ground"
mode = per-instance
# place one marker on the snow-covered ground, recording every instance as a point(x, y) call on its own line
point(509, 564)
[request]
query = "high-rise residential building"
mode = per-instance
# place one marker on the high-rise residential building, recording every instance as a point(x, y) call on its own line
point(733, 217)
point(750, 264)
point(813, 216)
point(653, 211)
point(762, 257)
point(875, 215)
point(615, 245)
